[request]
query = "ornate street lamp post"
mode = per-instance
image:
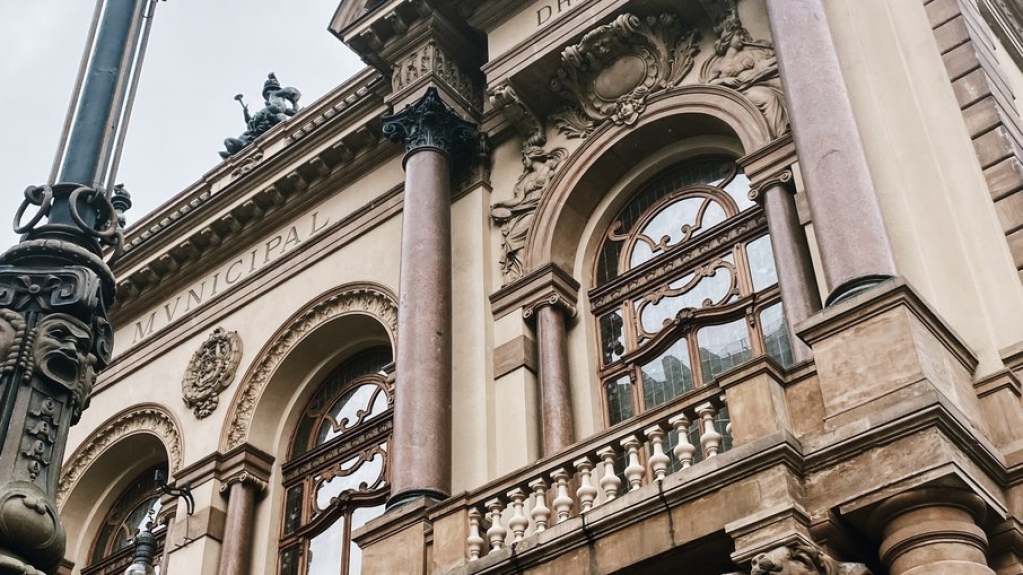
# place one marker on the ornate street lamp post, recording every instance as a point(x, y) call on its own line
point(55, 289)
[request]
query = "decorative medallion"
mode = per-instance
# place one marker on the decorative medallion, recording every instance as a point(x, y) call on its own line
point(211, 370)
point(610, 74)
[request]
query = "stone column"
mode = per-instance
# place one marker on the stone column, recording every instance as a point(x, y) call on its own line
point(433, 135)
point(796, 279)
point(855, 250)
point(932, 531)
point(241, 492)
point(557, 430)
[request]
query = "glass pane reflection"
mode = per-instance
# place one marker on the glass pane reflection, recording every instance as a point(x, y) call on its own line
point(360, 516)
point(667, 376)
point(776, 335)
point(761, 263)
point(619, 399)
point(612, 337)
point(723, 346)
point(325, 550)
point(362, 475)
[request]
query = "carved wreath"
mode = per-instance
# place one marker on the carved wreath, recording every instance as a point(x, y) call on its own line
point(613, 70)
point(211, 370)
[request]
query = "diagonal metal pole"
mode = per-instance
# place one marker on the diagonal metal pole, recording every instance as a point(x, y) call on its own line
point(55, 289)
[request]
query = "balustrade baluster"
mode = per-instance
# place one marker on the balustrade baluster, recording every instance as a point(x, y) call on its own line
point(540, 513)
point(710, 439)
point(609, 483)
point(497, 533)
point(685, 449)
point(658, 459)
point(518, 522)
point(475, 542)
point(563, 502)
point(634, 471)
point(586, 492)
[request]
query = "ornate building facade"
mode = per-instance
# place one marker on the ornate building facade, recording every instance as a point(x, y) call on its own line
point(587, 286)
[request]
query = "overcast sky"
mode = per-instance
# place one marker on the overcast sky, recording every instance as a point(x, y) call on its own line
point(201, 53)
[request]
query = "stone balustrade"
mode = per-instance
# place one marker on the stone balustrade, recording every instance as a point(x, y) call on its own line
point(638, 452)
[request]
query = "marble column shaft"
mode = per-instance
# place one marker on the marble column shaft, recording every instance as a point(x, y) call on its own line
point(422, 407)
point(433, 135)
point(555, 394)
point(241, 506)
point(854, 245)
point(796, 279)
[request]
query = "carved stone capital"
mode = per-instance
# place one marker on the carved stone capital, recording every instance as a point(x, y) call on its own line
point(547, 286)
point(769, 165)
point(429, 123)
point(781, 178)
point(210, 371)
point(245, 478)
point(554, 300)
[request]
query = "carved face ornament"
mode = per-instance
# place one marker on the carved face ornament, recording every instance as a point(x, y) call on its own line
point(798, 560)
point(61, 350)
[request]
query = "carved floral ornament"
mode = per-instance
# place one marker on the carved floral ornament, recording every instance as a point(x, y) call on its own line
point(151, 419)
point(210, 371)
point(359, 299)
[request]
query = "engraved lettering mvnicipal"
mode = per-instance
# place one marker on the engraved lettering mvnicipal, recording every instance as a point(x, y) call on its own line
point(228, 275)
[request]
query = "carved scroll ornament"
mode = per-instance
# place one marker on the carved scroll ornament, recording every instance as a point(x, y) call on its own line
point(609, 75)
point(211, 370)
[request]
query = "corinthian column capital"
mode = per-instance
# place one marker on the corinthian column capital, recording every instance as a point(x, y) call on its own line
point(429, 123)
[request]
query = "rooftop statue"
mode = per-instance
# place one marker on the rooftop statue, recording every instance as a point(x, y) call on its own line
point(279, 105)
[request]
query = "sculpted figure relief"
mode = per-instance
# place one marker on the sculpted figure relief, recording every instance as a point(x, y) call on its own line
point(516, 215)
point(802, 560)
point(279, 105)
point(749, 66)
point(61, 354)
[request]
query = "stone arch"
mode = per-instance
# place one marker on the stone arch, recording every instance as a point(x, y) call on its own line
point(302, 334)
point(148, 419)
point(106, 463)
point(608, 154)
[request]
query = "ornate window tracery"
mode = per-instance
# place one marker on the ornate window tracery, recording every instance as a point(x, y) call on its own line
point(686, 287)
point(336, 477)
point(138, 506)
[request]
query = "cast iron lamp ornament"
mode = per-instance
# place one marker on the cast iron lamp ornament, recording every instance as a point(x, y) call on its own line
point(55, 289)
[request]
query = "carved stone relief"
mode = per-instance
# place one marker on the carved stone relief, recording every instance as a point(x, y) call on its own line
point(749, 66)
point(802, 559)
point(210, 371)
point(515, 216)
point(152, 419)
point(365, 299)
point(609, 75)
point(428, 59)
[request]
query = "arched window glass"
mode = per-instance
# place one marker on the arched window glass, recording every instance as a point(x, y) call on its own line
point(137, 507)
point(686, 287)
point(335, 479)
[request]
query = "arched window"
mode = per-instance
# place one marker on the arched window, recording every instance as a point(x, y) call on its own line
point(335, 479)
point(136, 507)
point(685, 287)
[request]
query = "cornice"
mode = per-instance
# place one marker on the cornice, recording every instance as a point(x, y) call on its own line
point(328, 142)
point(549, 285)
